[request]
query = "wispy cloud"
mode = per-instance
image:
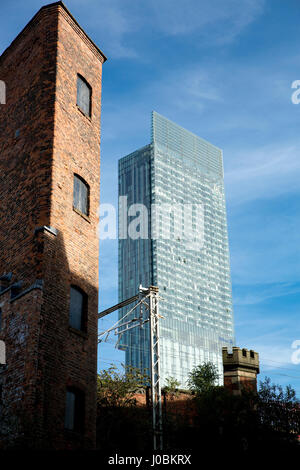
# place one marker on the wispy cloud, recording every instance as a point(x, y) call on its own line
point(270, 334)
point(275, 354)
point(216, 22)
point(264, 249)
point(264, 173)
point(256, 293)
point(115, 20)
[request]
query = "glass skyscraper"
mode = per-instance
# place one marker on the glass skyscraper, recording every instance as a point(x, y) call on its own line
point(182, 248)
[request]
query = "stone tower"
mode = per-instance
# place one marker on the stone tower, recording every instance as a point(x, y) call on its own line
point(49, 197)
point(240, 369)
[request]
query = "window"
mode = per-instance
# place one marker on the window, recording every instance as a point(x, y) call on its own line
point(81, 195)
point(78, 309)
point(74, 414)
point(84, 95)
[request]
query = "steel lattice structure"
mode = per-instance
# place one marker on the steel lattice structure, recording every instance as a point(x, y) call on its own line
point(146, 310)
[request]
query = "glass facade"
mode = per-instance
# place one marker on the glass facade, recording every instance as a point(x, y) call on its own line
point(179, 179)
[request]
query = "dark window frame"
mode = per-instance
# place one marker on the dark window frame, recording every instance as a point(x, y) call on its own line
point(87, 186)
point(84, 309)
point(78, 411)
point(86, 83)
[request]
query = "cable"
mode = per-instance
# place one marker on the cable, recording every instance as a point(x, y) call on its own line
point(174, 356)
point(264, 359)
point(286, 375)
point(277, 367)
point(271, 360)
point(140, 348)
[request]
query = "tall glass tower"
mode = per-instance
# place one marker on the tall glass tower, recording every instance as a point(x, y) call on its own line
point(173, 234)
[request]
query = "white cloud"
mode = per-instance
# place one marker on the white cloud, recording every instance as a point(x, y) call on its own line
point(255, 294)
point(113, 20)
point(217, 20)
point(192, 89)
point(274, 351)
point(263, 173)
point(270, 336)
point(120, 21)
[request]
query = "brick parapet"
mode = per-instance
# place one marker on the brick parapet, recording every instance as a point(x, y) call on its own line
point(240, 369)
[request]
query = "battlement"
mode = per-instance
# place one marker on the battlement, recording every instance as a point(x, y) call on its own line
point(241, 367)
point(244, 358)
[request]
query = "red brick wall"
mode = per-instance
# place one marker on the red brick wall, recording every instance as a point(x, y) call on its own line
point(20, 331)
point(181, 403)
point(28, 69)
point(36, 188)
point(234, 383)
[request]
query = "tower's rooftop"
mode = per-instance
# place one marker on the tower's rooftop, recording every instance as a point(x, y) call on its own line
point(36, 18)
point(240, 358)
point(193, 149)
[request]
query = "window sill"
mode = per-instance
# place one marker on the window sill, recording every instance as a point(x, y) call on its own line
point(83, 334)
point(83, 113)
point(85, 217)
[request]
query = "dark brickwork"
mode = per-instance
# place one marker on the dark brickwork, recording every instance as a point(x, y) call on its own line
point(240, 369)
point(44, 243)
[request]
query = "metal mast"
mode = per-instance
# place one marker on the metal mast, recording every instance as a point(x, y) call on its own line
point(147, 297)
point(155, 369)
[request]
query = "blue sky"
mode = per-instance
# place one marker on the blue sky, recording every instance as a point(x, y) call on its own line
point(222, 69)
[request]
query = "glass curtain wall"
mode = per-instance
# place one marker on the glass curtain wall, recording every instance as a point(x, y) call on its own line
point(179, 178)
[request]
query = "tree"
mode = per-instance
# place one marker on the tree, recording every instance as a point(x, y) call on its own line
point(171, 387)
point(279, 410)
point(121, 424)
point(266, 419)
point(203, 377)
point(117, 388)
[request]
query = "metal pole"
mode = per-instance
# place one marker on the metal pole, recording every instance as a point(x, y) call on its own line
point(155, 369)
point(153, 398)
point(150, 293)
point(158, 385)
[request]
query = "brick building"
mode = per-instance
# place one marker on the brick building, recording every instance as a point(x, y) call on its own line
point(240, 369)
point(49, 196)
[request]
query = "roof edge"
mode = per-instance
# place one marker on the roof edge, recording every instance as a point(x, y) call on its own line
point(35, 17)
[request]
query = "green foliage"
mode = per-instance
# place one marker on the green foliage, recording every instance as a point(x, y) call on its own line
point(272, 393)
point(121, 424)
point(117, 388)
point(278, 408)
point(203, 377)
point(266, 420)
point(171, 387)
point(263, 419)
